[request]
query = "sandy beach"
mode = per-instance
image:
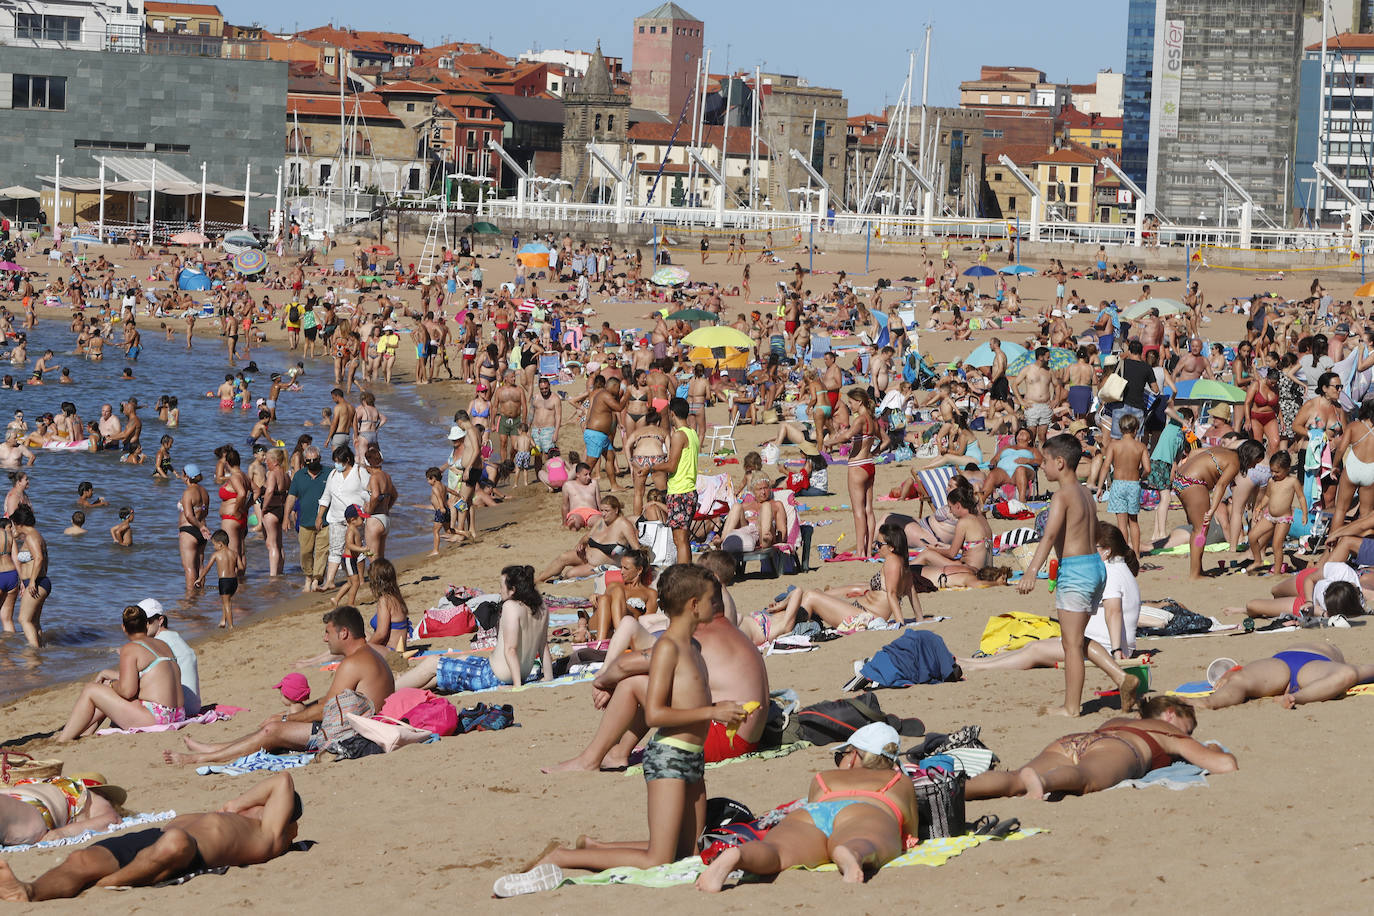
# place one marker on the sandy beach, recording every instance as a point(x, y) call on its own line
point(433, 825)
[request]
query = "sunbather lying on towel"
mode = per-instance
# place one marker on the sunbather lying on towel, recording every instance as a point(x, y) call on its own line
point(1121, 748)
point(857, 816)
point(253, 828)
point(32, 811)
point(1306, 673)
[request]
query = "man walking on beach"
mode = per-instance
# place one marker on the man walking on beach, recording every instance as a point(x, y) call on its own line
point(256, 827)
point(340, 419)
point(547, 420)
point(361, 685)
point(683, 450)
point(511, 406)
point(307, 486)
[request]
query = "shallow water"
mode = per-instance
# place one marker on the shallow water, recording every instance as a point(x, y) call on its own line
point(93, 578)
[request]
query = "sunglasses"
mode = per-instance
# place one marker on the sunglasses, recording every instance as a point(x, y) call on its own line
point(841, 754)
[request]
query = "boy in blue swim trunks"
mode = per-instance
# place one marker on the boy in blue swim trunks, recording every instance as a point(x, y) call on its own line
point(678, 702)
point(1071, 531)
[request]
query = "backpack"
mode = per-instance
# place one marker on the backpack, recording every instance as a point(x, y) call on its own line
point(835, 721)
point(484, 718)
point(293, 314)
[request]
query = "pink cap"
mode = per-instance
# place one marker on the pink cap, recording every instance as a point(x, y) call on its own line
point(294, 687)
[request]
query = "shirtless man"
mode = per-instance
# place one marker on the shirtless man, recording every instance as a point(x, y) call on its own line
point(361, 671)
point(510, 404)
point(1035, 388)
point(12, 453)
point(734, 670)
point(581, 499)
point(129, 437)
point(658, 337)
point(1000, 389)
point(604, 404)
point(381, 498)
point(1081, 379)
point(340, 419)
point(832, 380)
point(547, 417)
point(256, 827)
point(1192, 365)
point(1151, 330)
point(880, 371)
point(108, 424)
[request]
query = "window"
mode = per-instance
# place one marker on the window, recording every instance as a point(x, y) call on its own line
point(357, 175)
point(138, 146)
point(996, 176)
point(641, 30)
point(1054, 173)
point(39, 92)
point(610, 122)
point(203, 28)
point(982, 98)
point(413, 180)
point(597, 128)
point(329, 58)
point(293, 174)
point(472, 139)
point(37, 27)
point(1073, 174)
point(410, 106)
point(1073, 194)
point(1006, 100)
point(1011, 203)
point(653, 30)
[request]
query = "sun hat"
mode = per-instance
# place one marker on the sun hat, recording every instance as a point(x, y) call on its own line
point(1222, 411)
point(456, 432)
point(1077, 426)
point(875, 738)
point(294, 687)
point(95, 783)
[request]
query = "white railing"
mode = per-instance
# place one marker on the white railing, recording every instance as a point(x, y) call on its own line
point(897, 229)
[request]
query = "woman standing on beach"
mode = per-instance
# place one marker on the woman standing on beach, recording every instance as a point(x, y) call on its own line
point(35, 586)
point(9, 574)
point(274, 490)
point(192, 533)
point(864, 438)
point(233, 494)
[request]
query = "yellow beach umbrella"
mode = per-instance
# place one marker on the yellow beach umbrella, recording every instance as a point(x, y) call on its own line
point(719, 336)
point(719, 357)
point(1365, 289)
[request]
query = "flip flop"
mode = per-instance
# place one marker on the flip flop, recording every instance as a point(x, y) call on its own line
point(1004, 829)
point(984, 826)
point(544, 877)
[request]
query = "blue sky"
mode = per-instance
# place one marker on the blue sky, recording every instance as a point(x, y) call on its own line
point(864, 54)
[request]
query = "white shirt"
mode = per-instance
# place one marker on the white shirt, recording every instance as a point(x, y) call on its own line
point(343, 490)
point(1120, 584)
point(190, 669)
point(1332, 572)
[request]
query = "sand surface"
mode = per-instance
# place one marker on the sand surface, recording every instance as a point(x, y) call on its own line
point(433, 826)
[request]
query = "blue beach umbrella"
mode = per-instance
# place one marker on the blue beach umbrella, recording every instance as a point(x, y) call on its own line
point(980, 270)
point(1016, 270)
point(981, 356)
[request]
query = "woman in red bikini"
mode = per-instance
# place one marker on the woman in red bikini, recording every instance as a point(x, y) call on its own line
point(233, 494)
point(864, 437)
point(857, 816)
point(1121, 748)
point(1262, 409)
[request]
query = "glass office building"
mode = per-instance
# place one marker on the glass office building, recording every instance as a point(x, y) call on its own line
point(1135, 97)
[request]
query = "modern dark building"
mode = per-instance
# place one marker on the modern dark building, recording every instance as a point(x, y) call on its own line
point(181, 111)
point(1135, 94)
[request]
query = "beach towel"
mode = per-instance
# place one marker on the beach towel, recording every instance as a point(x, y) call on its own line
point(133, 820)
point(217, 714)
point(257, 762)
point(1015, 629)
point(1202, 689)
point(915, 657)
point(932, 853)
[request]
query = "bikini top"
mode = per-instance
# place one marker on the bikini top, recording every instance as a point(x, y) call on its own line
point(227, 493)
point(481, 413)
point(828, 795)
point(876, 584)
point(157, 659)
point(1158, 756)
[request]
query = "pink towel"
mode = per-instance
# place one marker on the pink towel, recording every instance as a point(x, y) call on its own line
point(217, 714)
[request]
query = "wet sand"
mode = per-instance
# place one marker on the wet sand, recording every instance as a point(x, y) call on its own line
point(434, 825)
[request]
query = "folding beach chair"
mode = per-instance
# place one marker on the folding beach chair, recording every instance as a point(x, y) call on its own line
point(932, 485)
point(791, 556)
point(722, 433)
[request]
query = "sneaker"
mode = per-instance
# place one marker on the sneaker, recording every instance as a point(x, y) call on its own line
point(544, 877)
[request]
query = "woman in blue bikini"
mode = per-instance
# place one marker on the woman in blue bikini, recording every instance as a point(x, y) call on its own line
point(1305, 673)
point(857, 816)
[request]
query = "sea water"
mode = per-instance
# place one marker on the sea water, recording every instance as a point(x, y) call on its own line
point(94, 578)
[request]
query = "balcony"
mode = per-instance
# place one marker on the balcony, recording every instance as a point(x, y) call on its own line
point(184, 45)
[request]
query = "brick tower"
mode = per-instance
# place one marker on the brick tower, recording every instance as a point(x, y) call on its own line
point(667, 45)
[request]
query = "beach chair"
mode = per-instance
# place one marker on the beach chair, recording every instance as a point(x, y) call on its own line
point(339, 266)
point(932, 485)
point(550, 364)
point(723, 433)
point(713, 506)
point(792, 556)
point(819, 347)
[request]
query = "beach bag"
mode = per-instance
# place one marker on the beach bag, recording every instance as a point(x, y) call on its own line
point(16, 765)
point(939, 805)
point(1113, 388)
point(336, 725)
point(459, 623)
point(436, 715)
point(721, 811)
point(387, 733)
point(400, 703)
point(658, 539)
point(835, 721)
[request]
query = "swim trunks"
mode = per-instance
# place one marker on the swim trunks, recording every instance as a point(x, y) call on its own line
point(595, 442)
point(673, 758)
point(1038, 415)
point(229, 585)
point(1082, 579)
point(585, 513)
point(543, 438)
point(508, 426)
point(682, 508)
point(720, 746)
point(1124, 497)
point(465, 672)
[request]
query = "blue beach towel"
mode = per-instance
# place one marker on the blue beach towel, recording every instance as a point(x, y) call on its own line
point(915, 657)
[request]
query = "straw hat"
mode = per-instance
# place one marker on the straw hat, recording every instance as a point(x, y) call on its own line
point(1220, 412)
point(95, 782)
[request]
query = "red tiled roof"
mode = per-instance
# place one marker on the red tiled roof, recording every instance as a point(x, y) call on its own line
point(345, 38)
point(401, 87)
point(187, 9)
point(370, 109)
point(394, 38)
point(1072, 117)
point(1067, 156)
point(868, 119)
point(659, 132)
point(1346, 41)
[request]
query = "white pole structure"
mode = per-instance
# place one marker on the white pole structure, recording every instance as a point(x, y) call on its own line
point(100, 230)
point(622, 184)
point(904, 129)
point(1034, 194)
point(754, 141)
point(152, 201)
point(202, 201)
point(1355, 213)
point(926, 158)
point(699, 132)
point(725, 138)
point(56, 194)
point(247, 180)
point(522, 177)
point(1247, 203)
point(1321, 117)
point(281, 221)
point(1138, 236)
point(812, 175)
point(720, 185)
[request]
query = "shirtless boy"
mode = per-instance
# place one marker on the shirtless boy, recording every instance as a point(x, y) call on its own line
point(1071, 532)
point(1129, 461)
point(581, 499)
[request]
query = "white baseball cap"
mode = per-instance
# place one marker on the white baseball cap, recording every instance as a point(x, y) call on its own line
point(875, 738)
point(152, 607)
